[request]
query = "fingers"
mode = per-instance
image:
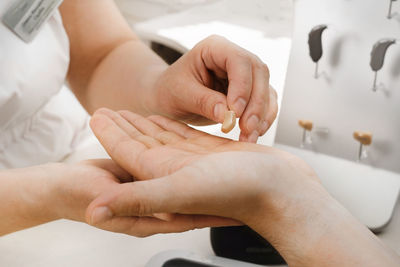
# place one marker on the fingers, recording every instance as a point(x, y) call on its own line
point(129, 128)
point(119, 145)
point(239, 69)
point(253, 123)
point(205, 102)
point(176, 127)
point(147, 226)
point(248, 92)
point(143, 198)
point(227, 59)
point(126, 208)
point(272, 110)
point(148, 127)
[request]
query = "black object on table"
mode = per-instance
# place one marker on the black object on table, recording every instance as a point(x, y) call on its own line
point(243, 244)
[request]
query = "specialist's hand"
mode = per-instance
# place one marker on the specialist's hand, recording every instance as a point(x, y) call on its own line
point(76, 185)
point(217, 75)
point(39, 194)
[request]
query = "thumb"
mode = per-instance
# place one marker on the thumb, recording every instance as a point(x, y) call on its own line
point(205, 102)
point(128, 209)
point(170, 194)
point(141, 198)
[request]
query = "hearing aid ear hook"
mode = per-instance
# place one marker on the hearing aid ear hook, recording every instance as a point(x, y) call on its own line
point(378, 54)
point(390, 8)
point(315, 45)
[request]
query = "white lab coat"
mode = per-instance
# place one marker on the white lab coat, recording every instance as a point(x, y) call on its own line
point(39, 120)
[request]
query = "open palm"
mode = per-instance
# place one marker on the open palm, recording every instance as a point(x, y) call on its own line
point(156, 146)
point(198, 173)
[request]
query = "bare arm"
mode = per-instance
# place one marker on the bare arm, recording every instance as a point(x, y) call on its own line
point(40, 194)
point(110, 66)
point(275, 193)
point(24, 195)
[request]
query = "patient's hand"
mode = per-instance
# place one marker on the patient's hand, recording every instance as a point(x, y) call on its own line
point(201, 173)
point(274, 193)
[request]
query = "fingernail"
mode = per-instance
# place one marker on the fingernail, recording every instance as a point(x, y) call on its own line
point(253, 137)
point(252, 123)
point(218, 110)
point(100, 215)
point(239, 106)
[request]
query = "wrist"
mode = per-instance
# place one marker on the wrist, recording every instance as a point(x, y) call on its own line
point(50, 181)
point(27, 198)
point(153, 102)
point(303, 224)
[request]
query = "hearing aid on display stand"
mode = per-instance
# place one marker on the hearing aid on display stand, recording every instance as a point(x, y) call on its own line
point(307, 128)
point(315, 45)
point(378, 57)
point(365, 139)
point(390, 8)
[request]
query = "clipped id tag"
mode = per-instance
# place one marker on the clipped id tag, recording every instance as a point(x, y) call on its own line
point(26, 17)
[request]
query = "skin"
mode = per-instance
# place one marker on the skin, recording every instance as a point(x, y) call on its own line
point(111, 67)
point(183, 171)
point(41, 194)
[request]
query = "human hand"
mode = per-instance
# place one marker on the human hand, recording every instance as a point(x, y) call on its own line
point(212, 78)
point(198, 173)
point(273, 192)
point(75, 186)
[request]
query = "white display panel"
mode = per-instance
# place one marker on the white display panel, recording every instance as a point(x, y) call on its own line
point(341, 99)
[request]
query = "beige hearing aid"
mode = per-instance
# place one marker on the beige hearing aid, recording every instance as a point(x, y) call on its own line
point(306, 125)
point(229, 122)
point(307, 128)
point(365, 139)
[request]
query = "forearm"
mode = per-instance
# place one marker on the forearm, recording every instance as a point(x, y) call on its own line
point(25, 198)
point(315, 230)
point(110, 66)
point(124, 80)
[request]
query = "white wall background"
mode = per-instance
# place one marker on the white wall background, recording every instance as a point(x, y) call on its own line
point(139, 10)
point(342, 99)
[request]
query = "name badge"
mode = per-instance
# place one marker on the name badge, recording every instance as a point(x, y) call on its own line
point(26, 17)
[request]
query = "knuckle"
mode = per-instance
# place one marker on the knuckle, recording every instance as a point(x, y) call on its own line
point(204, 103)
point(272, 117)
point(215, 37)
point(265, 69)
point(273, 92)
point(243, 55)
point(138, 208)
point(259, 102)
